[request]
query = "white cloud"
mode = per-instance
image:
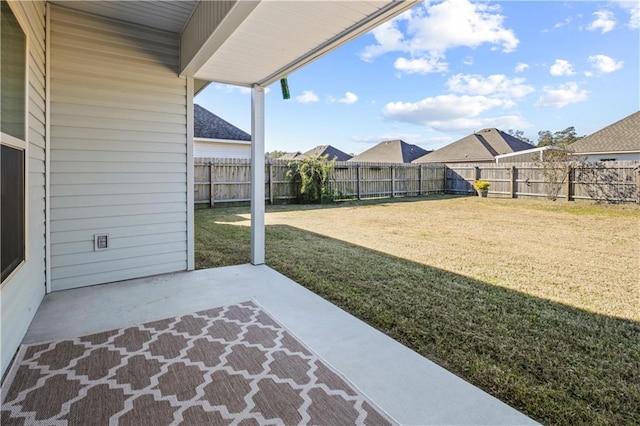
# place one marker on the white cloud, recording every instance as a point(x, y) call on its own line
point(493, 85)
point(420, 65)
point(562, 95)
point(414, 138)
point(633, 7)
point(604, 22)
point(566, 22)
point(561, 67)
point(307, 97)
point(520, 67)
point(425, 33)
point(439, 108)
point(349, 98)
point(476, 123)
point(468, 60)
point(388, 37)
point(605, 64)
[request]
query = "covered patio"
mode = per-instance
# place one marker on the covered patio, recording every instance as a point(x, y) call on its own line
point(103, 141)
point(407, 386)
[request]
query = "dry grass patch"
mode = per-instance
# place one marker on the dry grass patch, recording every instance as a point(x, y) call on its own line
point(582, 255)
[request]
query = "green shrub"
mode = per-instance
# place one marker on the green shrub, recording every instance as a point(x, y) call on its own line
point(311, 176)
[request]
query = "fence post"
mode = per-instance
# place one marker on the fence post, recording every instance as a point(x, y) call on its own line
point(513, 181)
point(393, 181)
point(638, 185)
point(444, 178)
point(270, 164)
point(211, 189)
point(569, 186)
point(358, 183)
point(420, 179)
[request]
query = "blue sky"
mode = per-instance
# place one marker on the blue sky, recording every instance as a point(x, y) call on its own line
point(448, 68)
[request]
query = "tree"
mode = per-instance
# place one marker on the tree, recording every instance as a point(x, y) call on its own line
point(555, 169)
point(274, 154)
point(520, 135)
point(559, 138)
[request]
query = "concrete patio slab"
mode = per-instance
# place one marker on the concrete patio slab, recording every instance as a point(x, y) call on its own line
point(412, 389)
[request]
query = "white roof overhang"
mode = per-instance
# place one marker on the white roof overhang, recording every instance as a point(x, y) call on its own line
point(259, 42)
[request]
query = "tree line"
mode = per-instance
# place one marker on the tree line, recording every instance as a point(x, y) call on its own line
point(548, 138)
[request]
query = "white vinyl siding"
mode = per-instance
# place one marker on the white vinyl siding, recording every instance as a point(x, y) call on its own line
point(210, 149)
point(22, 294)
point(119, 151)
point(611, 156)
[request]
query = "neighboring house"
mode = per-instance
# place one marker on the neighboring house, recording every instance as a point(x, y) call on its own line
point(322, 150)
point(395, 151)
point(619, 141)
point(478, 147)
point(214, 137)
point(97, 146)
point(290, 155)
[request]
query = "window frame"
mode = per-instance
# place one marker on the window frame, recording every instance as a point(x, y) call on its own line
point(23, 145)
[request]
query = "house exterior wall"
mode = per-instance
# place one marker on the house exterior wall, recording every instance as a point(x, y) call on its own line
point(22, 294)
point(118, 151)
point(210, 149)
point(611, 156)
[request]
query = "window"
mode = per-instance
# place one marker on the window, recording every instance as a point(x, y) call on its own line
point(13, 65)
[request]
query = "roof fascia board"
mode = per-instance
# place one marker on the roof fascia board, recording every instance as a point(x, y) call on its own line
point(228, 141)
point(389, 11)
point(230, 23)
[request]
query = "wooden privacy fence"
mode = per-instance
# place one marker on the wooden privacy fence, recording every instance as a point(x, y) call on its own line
point(617, 181)
point(229, 180)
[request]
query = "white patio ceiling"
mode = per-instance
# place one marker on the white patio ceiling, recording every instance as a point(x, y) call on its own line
point(164, 15)
point(254, 42)
point(278, 37)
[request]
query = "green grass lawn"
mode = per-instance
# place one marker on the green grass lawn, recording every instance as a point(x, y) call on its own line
point(534, 302)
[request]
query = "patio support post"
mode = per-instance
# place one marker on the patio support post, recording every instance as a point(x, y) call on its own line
point(257, 175)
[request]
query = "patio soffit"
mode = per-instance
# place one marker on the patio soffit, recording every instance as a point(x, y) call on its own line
point(259, 42)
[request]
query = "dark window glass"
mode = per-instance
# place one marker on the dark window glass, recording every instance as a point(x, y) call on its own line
point(12, 126)
point(12, 208)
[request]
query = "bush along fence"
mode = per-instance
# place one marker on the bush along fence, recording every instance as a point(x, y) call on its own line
point(222, 181)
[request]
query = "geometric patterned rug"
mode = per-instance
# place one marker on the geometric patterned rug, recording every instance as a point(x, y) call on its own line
point(233, 365)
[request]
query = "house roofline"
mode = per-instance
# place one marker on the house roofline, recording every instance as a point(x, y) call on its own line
point(229, 141)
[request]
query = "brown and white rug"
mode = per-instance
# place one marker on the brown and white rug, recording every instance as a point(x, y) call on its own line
point(233, 365)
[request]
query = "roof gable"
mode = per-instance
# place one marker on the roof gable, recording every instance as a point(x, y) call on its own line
point(209, 126)
point(395, 151)
point(623, 135)
point(332, 152)
point(483, 145)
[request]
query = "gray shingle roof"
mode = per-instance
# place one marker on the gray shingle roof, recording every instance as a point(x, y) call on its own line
point(395, 151)
point(623, 135)
point(320, 150)
point(483, 145)
point(208, 125)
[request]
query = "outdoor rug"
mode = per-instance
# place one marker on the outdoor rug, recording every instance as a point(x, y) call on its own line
point(233, 365)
